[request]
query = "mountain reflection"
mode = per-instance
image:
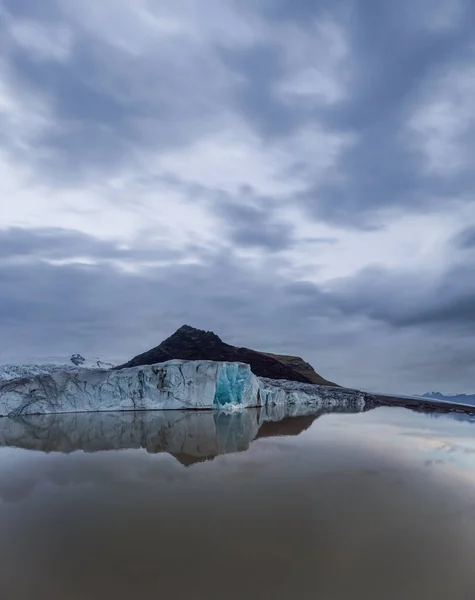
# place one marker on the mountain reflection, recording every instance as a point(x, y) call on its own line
point(190, 436)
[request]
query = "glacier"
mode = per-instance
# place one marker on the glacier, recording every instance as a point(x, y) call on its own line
point(175, 384)
point(172, 385)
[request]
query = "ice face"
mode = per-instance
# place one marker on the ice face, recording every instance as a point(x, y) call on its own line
point(231, 384)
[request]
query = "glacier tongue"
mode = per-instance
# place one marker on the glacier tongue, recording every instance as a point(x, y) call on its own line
point(176, 384)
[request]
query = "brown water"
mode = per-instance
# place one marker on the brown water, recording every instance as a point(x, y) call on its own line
point(378, 505)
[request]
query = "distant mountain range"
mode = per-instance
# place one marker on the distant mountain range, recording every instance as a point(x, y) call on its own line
point(461, 398)
point(188, 343)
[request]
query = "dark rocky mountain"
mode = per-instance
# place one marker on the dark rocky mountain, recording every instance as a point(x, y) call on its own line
point(188, 343)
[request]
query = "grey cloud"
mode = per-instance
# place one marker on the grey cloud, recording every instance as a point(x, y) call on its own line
point(93, 129)
point(260, 67)
point(465, 239)
point(394, 58)
point(108, 104)
point(45, 11)
point(301, 11)
point(402, 300)
point(322, 240)
point(452, 302)
point(50, 309)
point(253, 221)
point(397, 300)
point(73, 97)
point(54, 309)
point(252, 226)
point(55, 243)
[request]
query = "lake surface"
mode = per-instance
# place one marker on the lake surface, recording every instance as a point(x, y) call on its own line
point(375, 505)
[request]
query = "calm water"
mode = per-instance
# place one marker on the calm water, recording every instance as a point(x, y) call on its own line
point(195, 505)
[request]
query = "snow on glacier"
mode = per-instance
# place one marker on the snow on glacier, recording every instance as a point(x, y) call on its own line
point(33, 367)
point(9, 372)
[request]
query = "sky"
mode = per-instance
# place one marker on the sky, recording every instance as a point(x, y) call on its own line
point(295, 176)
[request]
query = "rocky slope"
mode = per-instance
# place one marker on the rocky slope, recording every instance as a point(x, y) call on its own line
point(300, 366)
point(188, 343)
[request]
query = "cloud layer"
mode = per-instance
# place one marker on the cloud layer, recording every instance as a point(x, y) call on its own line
point(296, 177)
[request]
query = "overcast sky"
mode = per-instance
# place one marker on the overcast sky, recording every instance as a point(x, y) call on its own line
point(296, 176)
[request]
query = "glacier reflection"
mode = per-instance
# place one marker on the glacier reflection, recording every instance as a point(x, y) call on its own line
point(190, 436)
